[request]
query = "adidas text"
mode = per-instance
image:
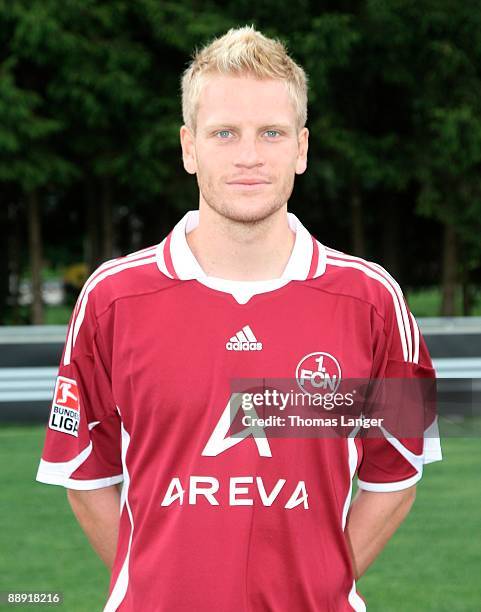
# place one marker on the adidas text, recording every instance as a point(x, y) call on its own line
point(243, 346)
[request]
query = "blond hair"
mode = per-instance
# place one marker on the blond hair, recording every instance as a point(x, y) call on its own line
point(243, 51)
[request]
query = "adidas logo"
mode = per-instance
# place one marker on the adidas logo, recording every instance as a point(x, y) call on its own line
point(244, 340)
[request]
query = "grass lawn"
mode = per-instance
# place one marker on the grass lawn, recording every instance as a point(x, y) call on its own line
point(42, 546)
point(427, 303)
point(432, 563)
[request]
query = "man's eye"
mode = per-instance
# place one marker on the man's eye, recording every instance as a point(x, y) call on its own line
point(272, 133)
point(223, 134)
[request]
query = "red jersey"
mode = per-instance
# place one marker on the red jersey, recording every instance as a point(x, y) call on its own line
point(210, 522)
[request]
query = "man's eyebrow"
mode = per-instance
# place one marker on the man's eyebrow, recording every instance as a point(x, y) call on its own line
point(218, 126)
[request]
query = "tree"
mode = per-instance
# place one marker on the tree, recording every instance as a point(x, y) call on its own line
point(28, 161)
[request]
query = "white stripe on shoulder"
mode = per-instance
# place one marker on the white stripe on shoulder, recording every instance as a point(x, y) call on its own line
point(378, 273)
point(416, 339)
point(106, 272)
point(366, 262)
point(115, 262)
point(111, 263)
point(383, 281)
point(373, 264)
point(321, 261)
point(161, 260)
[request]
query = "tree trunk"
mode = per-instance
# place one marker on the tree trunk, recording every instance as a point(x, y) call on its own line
point(156, 222)
point(107, 220)
point(35, 248)
point(357, 224)
point(163, 222)
point(468, 298)
point(450, 271)
point(92, 242)
point(14, 242)
point(466, 285)
point(4, 261)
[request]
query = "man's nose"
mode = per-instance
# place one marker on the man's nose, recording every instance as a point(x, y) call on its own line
point(248, 153)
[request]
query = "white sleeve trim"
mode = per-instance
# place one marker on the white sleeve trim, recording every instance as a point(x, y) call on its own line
point(59, 473)
point(65, 468)
point(56, 478)
point(416, 461)
point(387, 487)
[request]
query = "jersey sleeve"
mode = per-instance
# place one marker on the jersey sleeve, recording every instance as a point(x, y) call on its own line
point(393, 454)
point(82, 448)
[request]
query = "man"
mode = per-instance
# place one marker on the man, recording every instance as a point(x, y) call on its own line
point(238, 290)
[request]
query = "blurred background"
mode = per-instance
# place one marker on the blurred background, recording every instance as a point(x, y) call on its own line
point(91, 168)
point(90, 163)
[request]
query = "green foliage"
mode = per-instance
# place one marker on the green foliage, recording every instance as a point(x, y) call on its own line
point(25, 136)
point(90, 93)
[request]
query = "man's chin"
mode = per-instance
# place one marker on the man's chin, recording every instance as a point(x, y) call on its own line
point(247, 212)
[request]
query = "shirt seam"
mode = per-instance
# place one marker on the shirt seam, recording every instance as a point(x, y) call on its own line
point(132, 295)
point(353, 297)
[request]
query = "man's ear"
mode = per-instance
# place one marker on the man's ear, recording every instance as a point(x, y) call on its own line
point(188, 150)
point(303, 145)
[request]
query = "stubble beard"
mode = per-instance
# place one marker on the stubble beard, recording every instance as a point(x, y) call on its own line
point(235, 211)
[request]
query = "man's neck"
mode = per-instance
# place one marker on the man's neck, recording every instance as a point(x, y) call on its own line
point(240, 251)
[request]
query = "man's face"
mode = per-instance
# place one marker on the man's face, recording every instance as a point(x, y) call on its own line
point(246, 150)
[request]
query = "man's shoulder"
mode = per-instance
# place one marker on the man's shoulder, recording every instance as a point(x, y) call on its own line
point(130, 275)
point(359, 278)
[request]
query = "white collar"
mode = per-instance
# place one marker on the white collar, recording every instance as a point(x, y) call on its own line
point(176, 260)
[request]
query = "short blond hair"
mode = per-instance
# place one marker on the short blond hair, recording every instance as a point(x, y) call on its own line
point(243, 51)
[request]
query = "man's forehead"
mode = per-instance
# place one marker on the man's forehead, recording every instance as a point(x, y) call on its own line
point(218, 87)
point(233, 100)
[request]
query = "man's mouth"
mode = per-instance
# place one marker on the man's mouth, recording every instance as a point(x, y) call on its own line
point(248, 182)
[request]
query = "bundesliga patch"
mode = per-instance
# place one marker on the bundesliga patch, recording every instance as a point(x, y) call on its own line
point(65, 413)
